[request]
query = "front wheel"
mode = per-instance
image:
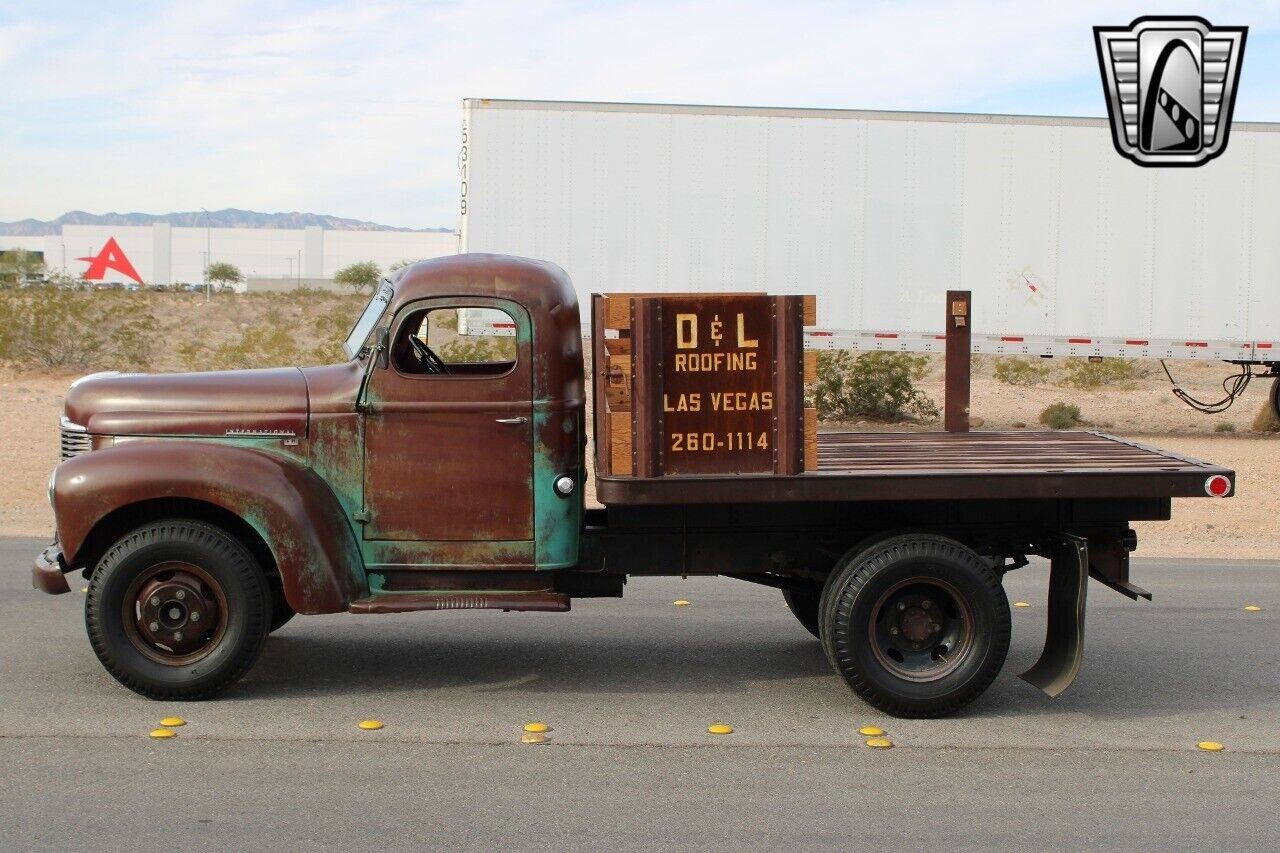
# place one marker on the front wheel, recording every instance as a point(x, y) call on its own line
point(917, 625)
point(177, 610)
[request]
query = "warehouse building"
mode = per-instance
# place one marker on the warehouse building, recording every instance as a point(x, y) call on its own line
point(268, 258)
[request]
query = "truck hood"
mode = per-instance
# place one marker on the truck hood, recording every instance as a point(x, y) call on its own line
point(239, 402)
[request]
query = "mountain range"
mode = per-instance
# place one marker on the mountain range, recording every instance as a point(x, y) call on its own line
point(228, 218)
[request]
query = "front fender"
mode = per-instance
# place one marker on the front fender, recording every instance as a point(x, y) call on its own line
point(289, 505)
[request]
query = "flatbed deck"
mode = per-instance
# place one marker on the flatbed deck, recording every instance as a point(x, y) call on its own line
point(884, 466)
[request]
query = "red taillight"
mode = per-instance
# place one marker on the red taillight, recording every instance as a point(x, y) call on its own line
point(1217, 486)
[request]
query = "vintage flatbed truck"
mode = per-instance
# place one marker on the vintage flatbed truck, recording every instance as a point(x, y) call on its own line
point(207, 509)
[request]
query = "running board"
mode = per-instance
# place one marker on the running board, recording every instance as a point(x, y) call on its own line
point(408, 602)
point(1059, 663)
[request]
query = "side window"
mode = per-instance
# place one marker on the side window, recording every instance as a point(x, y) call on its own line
point(465, 341)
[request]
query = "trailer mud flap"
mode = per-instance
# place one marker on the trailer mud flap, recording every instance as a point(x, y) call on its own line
point(1059, 663)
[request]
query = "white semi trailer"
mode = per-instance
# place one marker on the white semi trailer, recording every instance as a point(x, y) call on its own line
point(1069, 248)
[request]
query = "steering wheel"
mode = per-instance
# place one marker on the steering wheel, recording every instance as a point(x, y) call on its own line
point(426, 357)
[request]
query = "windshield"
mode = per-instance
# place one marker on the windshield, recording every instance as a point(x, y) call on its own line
point(369, 319)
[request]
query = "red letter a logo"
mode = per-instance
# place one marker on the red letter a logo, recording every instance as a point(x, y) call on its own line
point(111, 257)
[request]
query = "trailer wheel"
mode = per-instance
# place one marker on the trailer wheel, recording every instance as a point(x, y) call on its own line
point(177, 610)
point(917, 625)
point(1275, 398)
point(803, 603)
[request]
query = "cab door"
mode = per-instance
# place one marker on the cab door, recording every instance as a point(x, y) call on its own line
point(449, 441)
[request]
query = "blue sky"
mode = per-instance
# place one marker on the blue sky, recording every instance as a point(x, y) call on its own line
point(354, 108)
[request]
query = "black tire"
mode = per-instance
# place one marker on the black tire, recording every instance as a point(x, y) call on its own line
point(1275, 398)
point(894, 587)
point(281, 612)
point(226, 575)
point(803, 602)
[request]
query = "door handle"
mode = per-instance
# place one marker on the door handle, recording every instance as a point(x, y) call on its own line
point(520, 420)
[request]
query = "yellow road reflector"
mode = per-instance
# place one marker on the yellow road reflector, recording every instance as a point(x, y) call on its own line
point(370, 725)
point(870, 731)
point(160, 734)
point(172, 722)
point(681, 602)
point(879, 742)
point(536, 727)
point(533, 738)
point(1211, 746)
point(720, 729)
point(1021, 604)
point(84, 589)
point(1252, 608)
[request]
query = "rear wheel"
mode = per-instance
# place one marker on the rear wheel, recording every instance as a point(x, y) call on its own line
point(917, 625)
point(803, 602)
point(177, 610)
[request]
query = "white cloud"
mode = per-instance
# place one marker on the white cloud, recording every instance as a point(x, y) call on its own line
point(355, 109)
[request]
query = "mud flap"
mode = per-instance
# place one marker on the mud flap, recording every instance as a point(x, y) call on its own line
point(1059, 663)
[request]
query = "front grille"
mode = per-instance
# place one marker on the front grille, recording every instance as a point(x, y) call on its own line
point(75, 442)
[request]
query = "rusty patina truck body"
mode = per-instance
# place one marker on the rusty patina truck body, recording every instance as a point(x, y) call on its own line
point(207, 509)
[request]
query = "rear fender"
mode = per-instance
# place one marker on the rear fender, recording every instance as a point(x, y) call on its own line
point(289, 505)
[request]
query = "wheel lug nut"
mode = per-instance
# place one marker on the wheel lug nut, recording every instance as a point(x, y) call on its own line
point(154, 626)
point(177, 636)
point(195, 617)
point(182, 593)
point(902, 605)
point(926, 604)
point(155, 601)
point(893, 631)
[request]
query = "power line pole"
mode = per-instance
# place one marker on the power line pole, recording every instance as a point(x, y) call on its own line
point(208, 258)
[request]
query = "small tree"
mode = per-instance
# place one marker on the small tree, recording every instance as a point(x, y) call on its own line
point(224, 274)
point(19, 267)
point(359, 277)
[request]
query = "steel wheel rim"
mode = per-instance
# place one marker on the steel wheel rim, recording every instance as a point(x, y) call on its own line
point(174, 613)
point(921, 629)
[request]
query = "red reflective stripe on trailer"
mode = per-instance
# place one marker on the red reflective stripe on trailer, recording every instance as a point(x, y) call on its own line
point(886, 334)
point(1135, 343)
point(1196, 344)
point(1013, 339)
point(939, 337)
point(503, 325)
point(1079, 341)
point(1262, 346)
point(822, 334)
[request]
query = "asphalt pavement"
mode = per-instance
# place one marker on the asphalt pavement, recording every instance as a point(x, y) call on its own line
point(628, 688)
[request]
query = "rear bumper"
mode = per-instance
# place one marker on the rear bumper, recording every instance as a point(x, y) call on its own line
point(48, 575)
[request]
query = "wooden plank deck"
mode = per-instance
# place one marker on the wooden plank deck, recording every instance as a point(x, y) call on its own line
point(991, 453)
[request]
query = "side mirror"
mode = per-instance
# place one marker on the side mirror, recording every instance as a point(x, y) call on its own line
point(382, 346)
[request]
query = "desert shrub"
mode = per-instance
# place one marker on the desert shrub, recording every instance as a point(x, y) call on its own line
point(1087, 375)
point(1265, 420)
point(1225, 426)
point(258, 346)
point(478, 349)
point(1012, 370)
point(331, 327)
point(876, 385)
point(56, 328)
point(446, 320)
point(1061, 416)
